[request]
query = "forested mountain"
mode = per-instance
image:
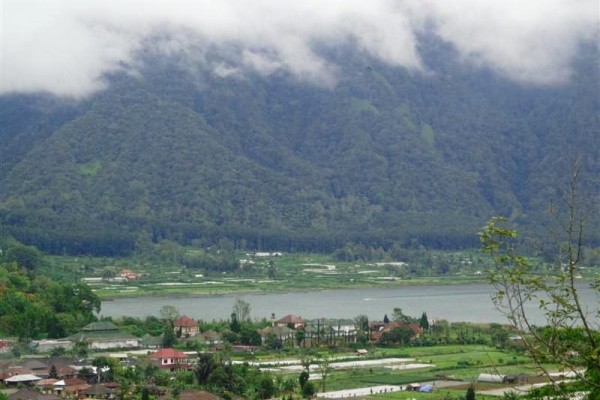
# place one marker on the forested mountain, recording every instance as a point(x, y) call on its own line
point(385, 155)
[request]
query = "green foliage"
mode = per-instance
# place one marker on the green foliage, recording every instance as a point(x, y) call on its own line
point(206, 364)
point(25, 256)
point(568, 337)
point(169, 337)
point(309, 390)
point(33, 307)
point(398, 315)
point(145, 394)
point(385, 156)
point(428, 134)
point(272, 342)
point(241, 309)
point(266, 387)
point(91, 168)
point(249, 336)
point(303, 378)
point(234, 323)
point(399, 335)
point(470, 395)
point(424, 322)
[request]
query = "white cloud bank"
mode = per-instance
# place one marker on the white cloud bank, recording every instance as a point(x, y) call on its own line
point(66, 46)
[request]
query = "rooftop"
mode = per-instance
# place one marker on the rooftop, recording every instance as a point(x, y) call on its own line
point(185, 322)
point(100, 326)
point(168, 353)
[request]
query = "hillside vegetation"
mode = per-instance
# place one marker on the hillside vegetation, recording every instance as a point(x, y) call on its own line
point(386, 156)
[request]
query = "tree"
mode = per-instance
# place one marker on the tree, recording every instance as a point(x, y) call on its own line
point(206, 364)
point(303, 378)
point(402, 334)
point(272, 342)
point(234, 324)
point(300, 336)
point(398, 315)
point(324, 368)
point(81, 349)
point(424, 322)
point(27, 257)
point(250, 336)
point(470, 395)
point(145, 394)
point(272, 270)
point(308, 390)
point(569, 337)
point(241, 309)
point(168, 336)
point(108, 273)
point(361, 323)
point(169, 313)
point(266, 387)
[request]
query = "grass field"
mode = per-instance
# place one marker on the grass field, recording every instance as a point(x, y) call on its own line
point(459, 365)
point(461, 362)
point(297, 271)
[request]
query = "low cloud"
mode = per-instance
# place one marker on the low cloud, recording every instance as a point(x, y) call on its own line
point(531, 41)
point(66, 47)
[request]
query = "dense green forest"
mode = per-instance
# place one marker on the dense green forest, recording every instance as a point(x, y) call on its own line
point(384, 157)
point(34, 306)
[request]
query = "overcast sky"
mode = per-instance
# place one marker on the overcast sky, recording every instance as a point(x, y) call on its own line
point(66, 46)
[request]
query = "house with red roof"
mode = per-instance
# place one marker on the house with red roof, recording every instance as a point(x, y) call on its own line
point(71, 386)
point(170, 359)
point(128, 274)
point(414, 329)
point(187, 326)
point(291, 321)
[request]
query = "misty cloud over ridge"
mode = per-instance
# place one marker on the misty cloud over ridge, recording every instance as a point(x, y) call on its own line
point(66, 47)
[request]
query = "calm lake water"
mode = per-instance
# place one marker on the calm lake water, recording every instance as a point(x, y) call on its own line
point(469, 302)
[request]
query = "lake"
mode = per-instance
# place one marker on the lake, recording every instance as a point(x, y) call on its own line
point(464, 302)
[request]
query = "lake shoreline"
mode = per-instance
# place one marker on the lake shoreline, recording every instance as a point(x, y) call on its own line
point(194, 293)
point(469, 301)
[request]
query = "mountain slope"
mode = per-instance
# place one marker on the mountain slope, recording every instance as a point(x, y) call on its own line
point(384, 156)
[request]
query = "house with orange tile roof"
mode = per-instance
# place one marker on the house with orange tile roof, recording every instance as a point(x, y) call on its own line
point(170, 359)
point(291, 321)
point(128, 274)
point(415, 329)
point(187, 326)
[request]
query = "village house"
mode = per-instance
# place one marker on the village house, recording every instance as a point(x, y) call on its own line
point(47, 345)
point(187, 326)
point(71, 386)
point(151, 342)
point(170, 359)
point(17, 370)
point(290, 321)
point(378, 330)
point(104, 335)
point(99, 391)
point(45, 385)
point(283, 333)
point(128, 274)
point(37, 368)
point(210, 338)
point(28, 394)
point(21, 379)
